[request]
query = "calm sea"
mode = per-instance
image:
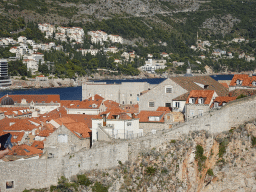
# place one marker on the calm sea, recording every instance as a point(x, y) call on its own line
point(67, 93)
point(75, 93)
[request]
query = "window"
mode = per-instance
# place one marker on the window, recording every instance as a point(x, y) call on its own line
point(224, 103)
point(216, 104)
point(129, 123)
point(254, 83)
point(201, 100)
point(168, 89)
point(138, 95)
point(167, 104)
point(200, 112)
point(9, 184)
point(239, 82)
point(123, 102)
point(130, 94)
point(192, 100)
point(151, 104)
point(130, 102)
point(153, 131)
point(177, 104)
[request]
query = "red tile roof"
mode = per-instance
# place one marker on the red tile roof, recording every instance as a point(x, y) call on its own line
point(34, 98)
point(80, 129)
point(21, 125)
point(144, 116)
point(45, 132)
point(167, 109)
point(206, 94)
point(245, 78)
point(91, 103)
point(63, 120)
point(225, 85)
point(222, 100)
point(38, 145)
point(25, 150)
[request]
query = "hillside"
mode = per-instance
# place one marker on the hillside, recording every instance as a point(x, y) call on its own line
point(163, 20)
point(191, 163)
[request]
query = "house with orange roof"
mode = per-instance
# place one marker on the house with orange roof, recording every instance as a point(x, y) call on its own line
point(68, 138)
point(199, 102)
point(91, 106)
point(23, 152)
point(242, 81)
point(38, 145)
point(41, 103)
point(60, 121)
point(221, 101)
point(115, 124)
point(153, 121)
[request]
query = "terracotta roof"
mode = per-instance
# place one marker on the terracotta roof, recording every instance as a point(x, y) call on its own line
point(25, 150)
point(110, 104)
point(87, 119)
point(167, 109)
point(63, 120)
point(38, 145)
point(144, 116)
point(222, 100)
point(34, 98)
point(91, 103)
point(225, 85)
point(21, 125)
point(206, 94)
point(54, 114)
point(45, 132)
point(80, 129)
point(66, 103)
point(245, 78)
point(189, 83)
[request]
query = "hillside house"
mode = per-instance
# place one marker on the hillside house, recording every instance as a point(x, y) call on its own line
point(221, 101)
point(199, 102)
point(242, 81)
point(164, 93)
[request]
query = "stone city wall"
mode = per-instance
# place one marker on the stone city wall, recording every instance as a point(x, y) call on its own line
point(43, 173)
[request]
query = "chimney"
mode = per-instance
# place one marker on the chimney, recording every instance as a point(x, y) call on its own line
point(93, 98)
point(60, 115)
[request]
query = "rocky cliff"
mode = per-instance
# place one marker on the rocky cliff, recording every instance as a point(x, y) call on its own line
point(195, 162)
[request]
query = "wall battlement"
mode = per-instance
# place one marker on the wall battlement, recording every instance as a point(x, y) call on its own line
point(45, 172)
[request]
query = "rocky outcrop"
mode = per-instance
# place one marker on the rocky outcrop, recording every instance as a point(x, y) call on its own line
point(226, 163)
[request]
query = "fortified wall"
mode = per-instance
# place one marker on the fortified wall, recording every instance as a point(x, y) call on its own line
point(45, 172)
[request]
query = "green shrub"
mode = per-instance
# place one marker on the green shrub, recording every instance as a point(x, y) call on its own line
point(253, 141)
point(200, 157)
point(222, 147)
point(173, 141)
point(151, 170)
point(210, 172)
point(83, 180)
point(98, 187)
